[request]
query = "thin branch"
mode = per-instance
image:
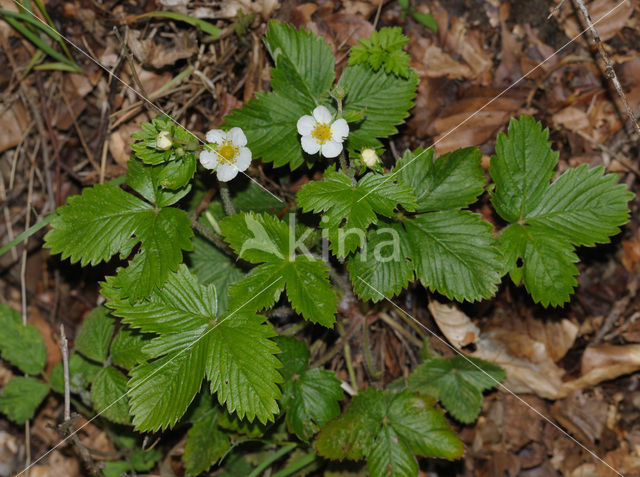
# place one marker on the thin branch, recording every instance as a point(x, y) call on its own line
point(609, 72)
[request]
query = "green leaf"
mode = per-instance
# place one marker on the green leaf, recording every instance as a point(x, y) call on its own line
point(382, 268)
point(426, 19)
point(177, 174)
point(105, 220)
point(144, 460)
point(457, 382)
point(115, 468)
point(263, 238)
point(240, 427)
point(383, 47)
point(547, 271)
point(214, 267)
point(212, 30)
point(234, 351)
point(241, 366)
point(82, 372)
point(145, 147)
point(386, 98)
point(309, 396)
point(15, 338)
point(305, 66)
point(452, 181)
point(109, 395)
point(582, 207)
point(303, 74)
point(127, 348)
point(95, 335)
point(21, 397)
point(453, 253)
point(206, 443)
point(182, 304)
point(146, 180)
point(348, 209)
point(160, 392)
point(521, 169)
point(389, 429)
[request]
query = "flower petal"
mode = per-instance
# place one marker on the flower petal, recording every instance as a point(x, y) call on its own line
point(243, 159)
point(339, 130)
point(309, 144)
point(322, 115)
point(216, 136)
point(208, 159)
point(331, 148)
point(305, 125)
point(237, 137)
point(226, 172)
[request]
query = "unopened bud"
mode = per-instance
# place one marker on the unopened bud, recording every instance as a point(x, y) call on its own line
point(163, 141)
point(369, 157)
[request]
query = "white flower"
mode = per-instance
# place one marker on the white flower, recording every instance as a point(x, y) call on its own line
point(227, 153)
point(369, 157)
point(163, 140)
point(320, 133)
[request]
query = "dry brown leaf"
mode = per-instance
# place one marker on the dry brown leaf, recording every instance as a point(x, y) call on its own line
point(572, 118)
point(606, 27)
point(631, 254)
point(454, 324)
point(431, 61)
point(582, 414)
point(54, 356)
point(14, 122)
point(57, 466)
point(469, 45)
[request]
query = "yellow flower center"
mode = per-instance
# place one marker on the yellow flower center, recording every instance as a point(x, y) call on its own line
point(227, 152)
point(321, 133)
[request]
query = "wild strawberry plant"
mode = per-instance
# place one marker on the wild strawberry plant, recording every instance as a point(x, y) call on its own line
point(184, 338)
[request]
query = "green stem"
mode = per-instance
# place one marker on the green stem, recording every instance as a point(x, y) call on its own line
point(274, 457)
point(296, 466)
point(229, 209)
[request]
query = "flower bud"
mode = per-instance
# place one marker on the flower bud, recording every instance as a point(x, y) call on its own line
point(369, 157)
point(163, 141)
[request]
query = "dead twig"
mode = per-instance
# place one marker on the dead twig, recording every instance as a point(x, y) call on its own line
point(609, 71)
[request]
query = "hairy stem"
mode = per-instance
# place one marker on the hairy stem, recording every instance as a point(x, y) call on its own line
point(229, 209)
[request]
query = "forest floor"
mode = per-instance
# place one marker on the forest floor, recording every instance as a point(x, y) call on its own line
point(490, 60)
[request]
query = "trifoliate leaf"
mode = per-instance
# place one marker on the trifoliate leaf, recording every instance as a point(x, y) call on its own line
point(234, 351)
point(105, 220)
point(386, 98)
point(383, 47)
point(21, 397)
point(547, 271)
point(95, 335)
point(82, 372)
point(127, 347)
point(457, 382)
point(382, 268)
point(582, 207)
point(310, 397)
point(109, 395)
point(389, 429)
point(453, 253)
point(21, 345)
point(452, 181)
point(303, 74)
point(263, 238)
point(206, 443)
point(349, 209)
